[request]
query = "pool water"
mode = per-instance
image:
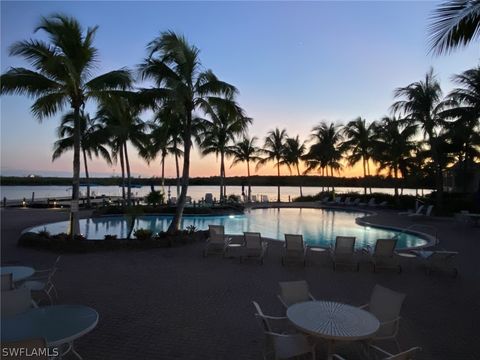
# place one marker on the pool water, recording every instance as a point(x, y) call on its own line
point(318, 226)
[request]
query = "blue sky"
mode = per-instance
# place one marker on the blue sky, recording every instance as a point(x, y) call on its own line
point(295, 63)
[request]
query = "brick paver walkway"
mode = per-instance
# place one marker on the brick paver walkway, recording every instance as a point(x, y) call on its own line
point(174, 304)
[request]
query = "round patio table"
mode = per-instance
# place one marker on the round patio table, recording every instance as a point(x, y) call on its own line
point(19, 273)
point(58, 325)
point(333, 321)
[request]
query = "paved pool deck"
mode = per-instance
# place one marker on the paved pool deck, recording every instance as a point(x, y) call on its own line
point(174, 304)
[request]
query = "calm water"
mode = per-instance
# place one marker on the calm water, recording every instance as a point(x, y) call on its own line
point(196, 192)
point(318, 226)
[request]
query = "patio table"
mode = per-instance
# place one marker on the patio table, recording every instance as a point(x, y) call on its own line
point(59, 325)
point(333, 321)
point(19, 273)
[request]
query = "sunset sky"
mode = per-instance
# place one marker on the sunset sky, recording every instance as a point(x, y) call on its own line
point(294, 63)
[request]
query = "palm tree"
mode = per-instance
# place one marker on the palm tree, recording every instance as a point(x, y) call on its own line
point(227, 122)
point(121, 117)
point(359, 144)
point(422, 104)
point(273, 149)
point(174, 66)
point(327, 150)
point(454, 23)
point(245, 151)
point(394, 147)
point(293, 154)
point(60, 78)
point(93, 139)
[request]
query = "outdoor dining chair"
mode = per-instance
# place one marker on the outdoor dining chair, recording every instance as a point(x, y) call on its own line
point(7, 282)
point(383, 255)
point(16, 301)
point(404, 355)
point(216, 241)
point(282, 345)
point(254, 246)
point(42, 287)
point(441, 261)
point(30, 346)
point(292, 292)
point(385, 305)
point(343, 253)
point(294, 249)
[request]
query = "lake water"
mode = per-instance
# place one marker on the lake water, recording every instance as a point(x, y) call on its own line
point(196, 192)
point(318, 226)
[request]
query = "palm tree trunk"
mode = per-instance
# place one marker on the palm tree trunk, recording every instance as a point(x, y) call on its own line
point(364, 177)
point(177, 166)
point(222, 174)
point(278, 184)
point(187, 144)
point(74, 216)
point(122, 165)
point(163, 171)
point(249, 197)
point(129, 179)
point(368, 172)
point(333, 184)
point(395, 174)
point(438, 173)
point(298, 172)
point(87, 177)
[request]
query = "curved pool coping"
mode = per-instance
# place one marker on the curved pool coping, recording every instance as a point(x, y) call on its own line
point(431, 240)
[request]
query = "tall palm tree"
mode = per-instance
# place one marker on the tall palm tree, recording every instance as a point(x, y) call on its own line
point(394, 147)
point(327, 150)
point(360, 138)
point(174, 66)
point(121, 118)
point(93, 139)
point(421, 103)
point(273, 149)
point(61, 77)
point(293, 155)
point(455, 23)
point(226, 122)
point(245, 151)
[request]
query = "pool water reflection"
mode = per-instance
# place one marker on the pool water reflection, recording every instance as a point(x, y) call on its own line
point(318, 226)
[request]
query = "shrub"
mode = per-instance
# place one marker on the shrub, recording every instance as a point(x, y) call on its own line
point(143, 234)
point(110, 237)
point(155, 197)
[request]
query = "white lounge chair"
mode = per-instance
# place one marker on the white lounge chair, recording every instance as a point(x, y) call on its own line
point(404, 355)
point(295, 249)
point(348, 201)
point(7, 282)
point(383, 255)
point(356, 202)
point(385, 305)
point(343, 253)
point(254, 246)
point(292, 292)
point(418, 211)
point(324, 200)
point(282, 345)
point(372, 203)
point(428, 212)
point(217, 241)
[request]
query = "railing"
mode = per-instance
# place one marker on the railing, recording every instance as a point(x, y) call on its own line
point(419, 227)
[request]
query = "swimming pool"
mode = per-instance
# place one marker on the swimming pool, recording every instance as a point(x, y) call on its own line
point(318, 226)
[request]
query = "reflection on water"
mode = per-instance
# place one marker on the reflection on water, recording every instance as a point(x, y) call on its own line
point(318, 226)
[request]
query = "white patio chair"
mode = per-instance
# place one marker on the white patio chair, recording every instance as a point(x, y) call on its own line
point(293, 292)
point(16, 301)
point(356, 202)
point(372, 203)
point(10, 349)
point(441, 261)
point(343, 253)
point(385, 305)
point(282, 345)
point(418, 211)
point(216, 241)
point(254, 246)
point(295, 249)
point(404, 355)
point(348, 201)
point(7, 282)
point(383, 255)
point(42, 287)
point(418, 214)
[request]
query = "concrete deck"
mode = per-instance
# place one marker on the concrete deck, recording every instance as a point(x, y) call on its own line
point(175, 304)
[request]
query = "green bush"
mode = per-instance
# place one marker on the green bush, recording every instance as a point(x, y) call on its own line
point(143, 234)
point(155, 198)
